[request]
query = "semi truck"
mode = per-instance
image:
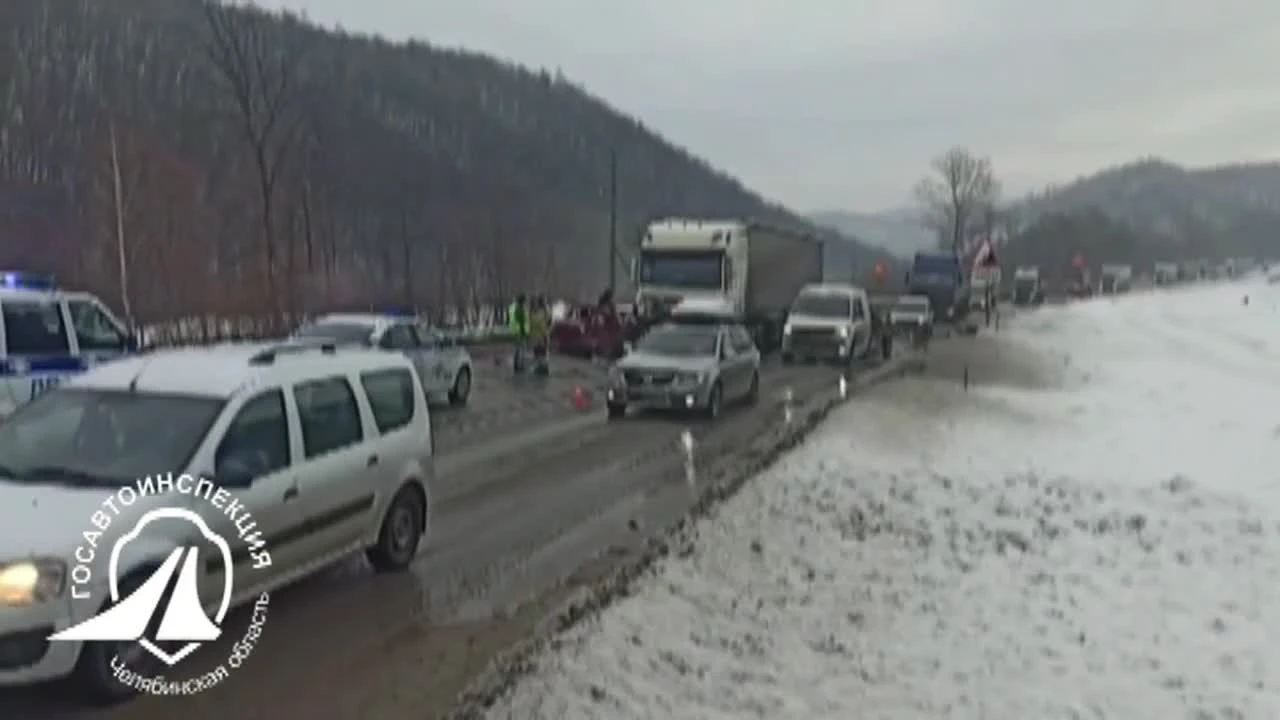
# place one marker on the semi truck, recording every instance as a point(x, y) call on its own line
point(756, 268)
point(940, 276)
point(1026, 286)
point(1115, 279)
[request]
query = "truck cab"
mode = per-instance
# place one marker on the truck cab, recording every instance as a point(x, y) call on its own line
point(755, 268)
point(696, 261)
point(1026, 286)
point(940, 276)
point(1166, 273)
point(830, 321)
point(1116, 279)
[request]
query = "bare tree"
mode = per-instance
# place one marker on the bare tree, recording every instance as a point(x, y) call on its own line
point(259, 72)
point(959, 193)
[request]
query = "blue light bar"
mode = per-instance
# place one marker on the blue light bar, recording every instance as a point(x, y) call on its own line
point(20, 280)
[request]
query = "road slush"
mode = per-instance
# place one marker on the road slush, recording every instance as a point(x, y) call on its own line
point(137, 597)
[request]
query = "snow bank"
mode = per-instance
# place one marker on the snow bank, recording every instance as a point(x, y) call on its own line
point(1106, 549)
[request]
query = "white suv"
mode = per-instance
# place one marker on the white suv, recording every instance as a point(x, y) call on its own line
point(296, 454)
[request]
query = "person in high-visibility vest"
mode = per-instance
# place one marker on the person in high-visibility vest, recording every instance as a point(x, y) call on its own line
point(518, 322)
point(539, 327)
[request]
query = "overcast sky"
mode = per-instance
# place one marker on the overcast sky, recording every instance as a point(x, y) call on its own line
point(840, 104)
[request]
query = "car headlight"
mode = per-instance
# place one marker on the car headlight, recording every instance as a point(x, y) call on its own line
point(843, 332)
point(27, 582)
point(691, 378)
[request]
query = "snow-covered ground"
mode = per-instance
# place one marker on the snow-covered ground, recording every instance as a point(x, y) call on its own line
point(1105, 545)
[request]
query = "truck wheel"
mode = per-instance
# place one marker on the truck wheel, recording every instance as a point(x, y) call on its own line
point(617, 411)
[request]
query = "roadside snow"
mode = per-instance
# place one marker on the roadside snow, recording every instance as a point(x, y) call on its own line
point(1108, 548)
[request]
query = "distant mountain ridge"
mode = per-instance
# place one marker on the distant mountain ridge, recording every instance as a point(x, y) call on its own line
point(1216, 211)
point(1139, 212)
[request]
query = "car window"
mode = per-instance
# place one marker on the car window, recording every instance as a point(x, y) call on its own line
point(94, 329)
point(431, 338)
point(391, 396)
point(115, 436)
point(259, 432)
point(400, 337)
point(742, 341)
point(34, 328)
point(329, 416)
point(859, 312)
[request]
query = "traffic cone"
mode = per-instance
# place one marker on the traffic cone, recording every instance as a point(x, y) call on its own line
point(581, 398)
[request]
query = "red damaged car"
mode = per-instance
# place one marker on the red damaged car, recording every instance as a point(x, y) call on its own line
point(585, 332)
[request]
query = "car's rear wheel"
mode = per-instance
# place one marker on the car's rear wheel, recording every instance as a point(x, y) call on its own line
point(401, 531)
point(461, 388)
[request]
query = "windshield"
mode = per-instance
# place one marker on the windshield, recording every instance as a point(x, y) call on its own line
point(680, 340)
point(695, 270)
point(912, 304)
point(822, 305)
point(96, 437)
point(338, 332)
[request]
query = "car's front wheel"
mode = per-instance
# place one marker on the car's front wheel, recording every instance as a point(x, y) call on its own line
point(94, 676)
point(715, 398)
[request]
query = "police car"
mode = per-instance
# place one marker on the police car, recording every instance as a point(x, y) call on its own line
point(48, 335)
point(443, 364)
point(326, 448)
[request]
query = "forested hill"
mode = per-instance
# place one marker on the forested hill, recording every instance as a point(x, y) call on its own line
point(270, 162)
point(1151, 209)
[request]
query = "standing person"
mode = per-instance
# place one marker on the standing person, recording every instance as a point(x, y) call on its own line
point(518, 322)
point(608, 329)
point(540, 333)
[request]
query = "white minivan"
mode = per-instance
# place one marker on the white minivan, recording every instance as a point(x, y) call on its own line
point(294, 455)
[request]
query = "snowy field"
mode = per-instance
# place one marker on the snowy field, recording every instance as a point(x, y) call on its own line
point(1101, 543)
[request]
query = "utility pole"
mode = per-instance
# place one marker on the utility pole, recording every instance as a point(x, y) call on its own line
point(613, 220)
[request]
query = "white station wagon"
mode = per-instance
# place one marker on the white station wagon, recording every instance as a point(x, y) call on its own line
point(443, 364)
point(325, 449)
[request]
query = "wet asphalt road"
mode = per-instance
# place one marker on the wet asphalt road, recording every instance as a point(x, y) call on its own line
point(509, 521)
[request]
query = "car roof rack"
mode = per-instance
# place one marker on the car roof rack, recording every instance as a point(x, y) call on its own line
point(267, 356)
